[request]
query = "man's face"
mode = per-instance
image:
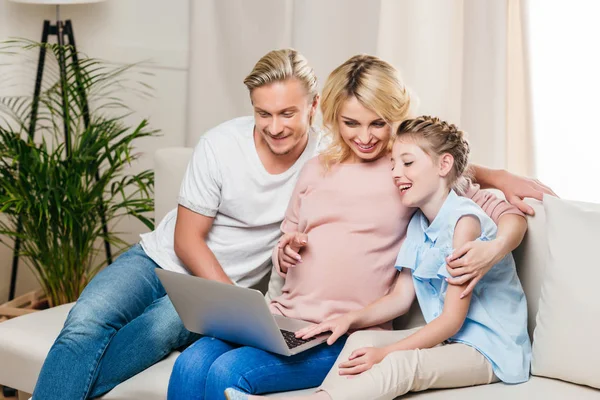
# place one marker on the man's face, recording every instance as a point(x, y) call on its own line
point(282, 114)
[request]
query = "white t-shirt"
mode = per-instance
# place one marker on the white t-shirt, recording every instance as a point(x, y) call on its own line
point(225, 179)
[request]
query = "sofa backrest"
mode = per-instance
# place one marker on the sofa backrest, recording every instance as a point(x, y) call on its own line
point(530, 257)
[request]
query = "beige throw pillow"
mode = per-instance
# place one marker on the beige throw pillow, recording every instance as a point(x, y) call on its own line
point(566, 339)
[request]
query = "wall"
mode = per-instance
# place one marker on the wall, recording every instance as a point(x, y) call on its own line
point(451, 54)
point(120, 32)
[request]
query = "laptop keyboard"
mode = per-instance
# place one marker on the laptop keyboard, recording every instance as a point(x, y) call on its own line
point(291, 340)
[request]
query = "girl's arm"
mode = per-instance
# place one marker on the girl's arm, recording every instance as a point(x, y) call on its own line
point(474, 259)
point(470, 262)
point(437, 331)
point(455, 309)
point(390, 306)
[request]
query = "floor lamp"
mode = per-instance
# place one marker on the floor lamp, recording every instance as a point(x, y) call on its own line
point(63, 31)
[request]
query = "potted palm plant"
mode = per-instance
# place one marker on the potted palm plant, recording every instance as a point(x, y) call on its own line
point(59, 191)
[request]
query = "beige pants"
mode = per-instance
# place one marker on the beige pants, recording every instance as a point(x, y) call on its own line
point(444, 366)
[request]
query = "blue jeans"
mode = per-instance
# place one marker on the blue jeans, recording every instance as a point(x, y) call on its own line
point(209, 366)
point(122, 324)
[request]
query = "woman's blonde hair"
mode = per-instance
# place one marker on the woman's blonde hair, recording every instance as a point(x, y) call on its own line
point(279, 65)
point(375, 84)
point(437, 137)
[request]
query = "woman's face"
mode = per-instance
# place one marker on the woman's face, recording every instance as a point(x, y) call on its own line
point(365, 132)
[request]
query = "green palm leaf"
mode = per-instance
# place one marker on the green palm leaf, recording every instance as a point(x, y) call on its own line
point(61, 200)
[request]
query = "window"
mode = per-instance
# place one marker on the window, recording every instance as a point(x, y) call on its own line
point(563, 43)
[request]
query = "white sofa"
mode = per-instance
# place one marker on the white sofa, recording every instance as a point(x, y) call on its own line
point(25, 341)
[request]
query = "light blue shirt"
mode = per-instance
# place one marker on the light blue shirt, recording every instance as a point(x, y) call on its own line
point(496, 324)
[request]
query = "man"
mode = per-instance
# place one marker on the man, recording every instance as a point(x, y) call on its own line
point(232, 200)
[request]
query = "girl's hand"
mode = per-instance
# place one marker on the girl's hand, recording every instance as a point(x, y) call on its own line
point(472, 261)
point(289, 248)
point(362, 360)
point(337, 327)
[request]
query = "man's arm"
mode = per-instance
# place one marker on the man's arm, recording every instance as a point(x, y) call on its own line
point(515, 188)
point(487, 178)
point(191, 230)
point(511, 231)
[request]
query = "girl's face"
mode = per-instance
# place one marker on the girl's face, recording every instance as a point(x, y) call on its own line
point(415, 173)
point(365, 132)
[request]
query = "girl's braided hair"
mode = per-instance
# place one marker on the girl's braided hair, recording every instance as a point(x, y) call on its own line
point(437, 137)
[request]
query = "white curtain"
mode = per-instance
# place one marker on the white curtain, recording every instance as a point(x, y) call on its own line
point(453, 55)
point(520, 154)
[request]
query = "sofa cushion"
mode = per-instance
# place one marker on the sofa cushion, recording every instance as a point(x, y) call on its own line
point(564, 345)
point(24, 346)
point(535, 388)
point(530, 258)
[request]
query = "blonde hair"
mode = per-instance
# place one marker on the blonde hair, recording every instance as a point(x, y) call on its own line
point(279, 65)
point(375, 84)
point(437, 137)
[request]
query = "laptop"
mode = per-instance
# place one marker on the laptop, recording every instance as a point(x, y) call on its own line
point(234, 314)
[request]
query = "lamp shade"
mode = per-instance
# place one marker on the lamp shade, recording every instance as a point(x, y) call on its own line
point(57, 2)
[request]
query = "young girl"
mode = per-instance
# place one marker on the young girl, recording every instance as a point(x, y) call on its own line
point(467, 341)
point(354, 222)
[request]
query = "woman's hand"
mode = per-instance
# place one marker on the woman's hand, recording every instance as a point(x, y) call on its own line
point(472, 261)
point(289, 247)
point(362, 360)
point(337, 326)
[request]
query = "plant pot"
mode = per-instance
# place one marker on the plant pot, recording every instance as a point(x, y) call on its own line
point(25, 304)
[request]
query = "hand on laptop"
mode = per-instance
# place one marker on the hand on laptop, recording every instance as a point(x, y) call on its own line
point(337, 326)
point(289, 248)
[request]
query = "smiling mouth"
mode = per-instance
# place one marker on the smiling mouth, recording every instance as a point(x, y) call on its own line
point(404, 187)
point(278, 138)
point(365, 147)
